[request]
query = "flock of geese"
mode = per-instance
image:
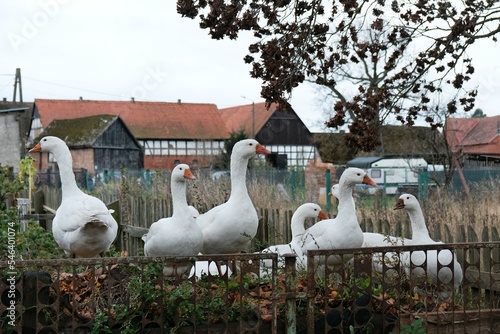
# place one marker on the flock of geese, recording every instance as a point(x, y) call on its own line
point(84, 227)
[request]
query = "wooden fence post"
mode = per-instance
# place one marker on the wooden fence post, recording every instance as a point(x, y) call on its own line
point(125, 214)
point(290, 293)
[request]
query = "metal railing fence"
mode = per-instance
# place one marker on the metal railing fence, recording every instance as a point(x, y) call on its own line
point(373, 291)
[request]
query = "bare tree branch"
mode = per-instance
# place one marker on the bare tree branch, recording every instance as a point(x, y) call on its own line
point(418, 52)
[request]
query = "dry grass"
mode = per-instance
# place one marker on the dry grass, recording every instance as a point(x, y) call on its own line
point(481, 208)
point(204, 192)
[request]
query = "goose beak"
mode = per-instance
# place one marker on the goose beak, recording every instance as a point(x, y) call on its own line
point(368, 181)
point(322, 215)
point(37, 148)
point(400, 204)
point(261, 150)
point(189, 175)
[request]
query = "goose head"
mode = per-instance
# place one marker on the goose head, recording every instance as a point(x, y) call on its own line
point(48, 144)
point(182, 172)
point(406, 201)
point(353, 175)
point(312, 210)
point(248, 148)
point(334, 191)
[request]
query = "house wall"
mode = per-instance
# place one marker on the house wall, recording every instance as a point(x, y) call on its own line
point(82, 158)
point(284, 129)
point(492, 148)
point(157, 162)
point(115, 149)
point(117, 159)
point(296, 156)
point(315, 180)
point(284, 133)
point(166, 154)
point(10, 149)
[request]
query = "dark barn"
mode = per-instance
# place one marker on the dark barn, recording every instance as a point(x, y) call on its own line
point(98, 144)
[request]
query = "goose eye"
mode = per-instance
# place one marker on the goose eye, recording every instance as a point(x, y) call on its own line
point(45, 139)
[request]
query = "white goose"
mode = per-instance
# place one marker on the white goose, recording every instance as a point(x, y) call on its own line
point(390, 259)
point(195, 213)
point(443, 278)
point(83, 226)
point(371, 239)
point(343, 231)
point(228, 227)
point(178, 235)
point(307, 210)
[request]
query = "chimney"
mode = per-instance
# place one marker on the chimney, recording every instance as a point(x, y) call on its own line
point(132, 99)
point(179, 101)
point(81, 98)
point(4, 100)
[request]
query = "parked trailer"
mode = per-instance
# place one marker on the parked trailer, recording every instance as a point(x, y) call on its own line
point(391, 173)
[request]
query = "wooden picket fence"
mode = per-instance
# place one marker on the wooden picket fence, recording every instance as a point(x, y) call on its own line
point(136, 214)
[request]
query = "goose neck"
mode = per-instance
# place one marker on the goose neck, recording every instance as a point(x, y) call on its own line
point(297, 226)
point(419, 229)
point(65, 163)
point(238, 175)
point(179, 202)
point(346, 201)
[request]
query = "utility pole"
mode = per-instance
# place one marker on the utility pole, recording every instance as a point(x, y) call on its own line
point(17, 84)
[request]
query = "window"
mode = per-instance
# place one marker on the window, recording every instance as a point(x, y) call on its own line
point(191, 148)
point(376, 173)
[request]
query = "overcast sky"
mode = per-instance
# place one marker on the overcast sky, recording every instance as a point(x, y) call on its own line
point(113, 50)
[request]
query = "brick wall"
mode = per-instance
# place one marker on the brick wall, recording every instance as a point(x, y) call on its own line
point(315, 180)
point(157, 162)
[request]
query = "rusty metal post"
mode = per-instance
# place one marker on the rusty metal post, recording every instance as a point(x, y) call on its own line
point(311, 285)
point(290, 293)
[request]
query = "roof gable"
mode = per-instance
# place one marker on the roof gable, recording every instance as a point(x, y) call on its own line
point(243, 117)
point(79, 132)
point(458, 128)
point(268, 122)
point(398, 140)
point(465, 132)
point(146, 120)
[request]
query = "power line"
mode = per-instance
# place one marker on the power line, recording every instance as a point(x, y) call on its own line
point(6, 85)
point(70, 87)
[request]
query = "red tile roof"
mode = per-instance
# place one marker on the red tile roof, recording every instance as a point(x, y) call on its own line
point(458, 128)
point(241, 116)
point(474, 135)
point(146, 120)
